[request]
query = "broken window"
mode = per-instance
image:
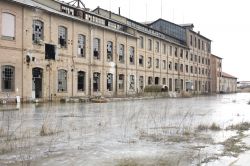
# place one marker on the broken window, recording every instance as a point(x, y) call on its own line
point(141, 82)
point(182, 86)
point(191, 69)
point(175, 66)
point(8, 26)
point(81, 46)
point(149, 62)
point(141, 60)
point(81, 81)
point(62, 80)
point(110, 82)
point(157, 80)
point(164, 64)
point(170, 50)
point(164, 49)
point(186, 68)
point(96, 81)
point(187, 55)
point(195, 58)
point(50, 51)
point(62, 37)
point(132, 55)
point(157, 63)
point(150, 80)
point(141, 42)
point(175, 51)
point(181, 53)
point(8, 78)
point(96, 46)
point(132, 82)
point(149, 44)
point(176, 85)
point(157, 46)
point(121, 81)
point(67, 10)
point(170, 65)
point(109, 51)
point(121, 53)
point(163, 81)
point(181, 68)
point(170, 86)
point(37, 35)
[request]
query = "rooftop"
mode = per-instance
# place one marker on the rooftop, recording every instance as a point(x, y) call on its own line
point(228, 75)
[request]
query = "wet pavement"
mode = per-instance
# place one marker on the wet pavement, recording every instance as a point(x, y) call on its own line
point(142, 132)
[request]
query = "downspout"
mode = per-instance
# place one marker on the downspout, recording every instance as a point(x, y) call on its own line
point(22, 53)
point(73, 62)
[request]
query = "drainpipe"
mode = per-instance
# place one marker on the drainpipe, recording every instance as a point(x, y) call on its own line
point(22, 53)
point(73, 62)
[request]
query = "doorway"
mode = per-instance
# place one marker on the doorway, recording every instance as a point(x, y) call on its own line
point(37, 76)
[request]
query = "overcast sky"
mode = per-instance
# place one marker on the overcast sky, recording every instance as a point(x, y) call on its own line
point(225, 22)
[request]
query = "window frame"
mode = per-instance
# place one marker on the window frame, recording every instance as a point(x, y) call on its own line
point(5, 36)
point(63, 36)
point(36, 39)
point(10, 79)
point(81, 45)
point(62, 78)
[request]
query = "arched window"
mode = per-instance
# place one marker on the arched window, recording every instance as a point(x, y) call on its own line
point(81, 81)
point(62, 36)
point(110, 82)
point(62, 80)
point(121, 53)
point(97, 48)
point(8, 26)
point(81, 46)
point(109, 51)
point(96, 81)
point(37, 34)
point(8, 78)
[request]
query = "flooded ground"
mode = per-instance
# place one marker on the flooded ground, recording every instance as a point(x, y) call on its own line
point(190, 131)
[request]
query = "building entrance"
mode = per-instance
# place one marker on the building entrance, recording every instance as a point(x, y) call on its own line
point(37, 76)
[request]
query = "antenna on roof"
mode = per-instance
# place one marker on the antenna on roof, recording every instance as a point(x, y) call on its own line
point(77, 3)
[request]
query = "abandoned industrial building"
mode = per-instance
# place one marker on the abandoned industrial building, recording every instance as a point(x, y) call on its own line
point(50, 50)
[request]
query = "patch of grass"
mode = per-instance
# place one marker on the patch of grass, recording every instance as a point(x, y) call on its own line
point(215, 127)
point(153, 88)
point(148, 161)
point(47, 131)
point(240, 127)
point(127, 162)
point(202, 127)
point(2, 132)
point(233, 146)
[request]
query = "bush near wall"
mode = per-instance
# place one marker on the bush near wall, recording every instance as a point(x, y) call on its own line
point(154, 88)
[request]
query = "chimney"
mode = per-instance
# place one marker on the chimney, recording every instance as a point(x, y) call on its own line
point(119, 11)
